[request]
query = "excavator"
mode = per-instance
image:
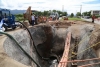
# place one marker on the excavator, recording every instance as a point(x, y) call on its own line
point(27, 16)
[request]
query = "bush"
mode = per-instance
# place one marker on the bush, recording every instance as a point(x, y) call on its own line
point(97, 16)
point(19, 15)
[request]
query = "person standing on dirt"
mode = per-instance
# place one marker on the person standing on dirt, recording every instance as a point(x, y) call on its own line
point(36, 20)
point(93, 17)
point(33, 19)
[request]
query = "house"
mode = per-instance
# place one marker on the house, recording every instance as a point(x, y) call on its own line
point(95, 12)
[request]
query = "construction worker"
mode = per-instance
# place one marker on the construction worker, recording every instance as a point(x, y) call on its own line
point(50, 18)
point(33, 19)
point(36, 20)
point(93, 17)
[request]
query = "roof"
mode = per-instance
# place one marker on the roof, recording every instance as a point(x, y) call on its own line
point(95, 10)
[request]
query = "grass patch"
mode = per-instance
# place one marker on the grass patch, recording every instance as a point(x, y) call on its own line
point(19, 19)
point(77, 19)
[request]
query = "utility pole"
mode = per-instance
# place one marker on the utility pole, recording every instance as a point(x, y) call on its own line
point(0, 3)
point(80, 8)
point(62, 8)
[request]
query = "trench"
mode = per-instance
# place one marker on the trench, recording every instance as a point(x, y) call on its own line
point(49, 41)
point(46, 39)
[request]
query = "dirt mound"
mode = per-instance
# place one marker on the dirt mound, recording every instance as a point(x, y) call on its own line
point(94, 39)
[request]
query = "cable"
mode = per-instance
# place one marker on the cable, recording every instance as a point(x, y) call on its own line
point(33, 41)
point(20, 47)
point(79, 44)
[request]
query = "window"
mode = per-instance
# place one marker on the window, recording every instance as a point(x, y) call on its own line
point(96, 12)
point(7, 13)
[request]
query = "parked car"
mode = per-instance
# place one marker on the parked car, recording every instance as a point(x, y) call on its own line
point(86, 17)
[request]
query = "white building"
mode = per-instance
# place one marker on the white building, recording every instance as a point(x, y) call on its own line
point(95, 12)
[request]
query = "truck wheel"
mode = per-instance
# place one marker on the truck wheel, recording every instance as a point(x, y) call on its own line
point(13, 28)
point(5, 28)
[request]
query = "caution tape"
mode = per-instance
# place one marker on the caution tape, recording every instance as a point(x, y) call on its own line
point(85, 49)
point(79, 42)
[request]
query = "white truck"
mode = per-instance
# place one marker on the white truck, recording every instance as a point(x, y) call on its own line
point(54, 15)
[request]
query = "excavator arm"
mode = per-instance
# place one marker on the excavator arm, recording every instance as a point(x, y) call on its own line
point(27, 14)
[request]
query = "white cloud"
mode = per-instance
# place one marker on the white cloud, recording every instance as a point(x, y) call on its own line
point(69, 5)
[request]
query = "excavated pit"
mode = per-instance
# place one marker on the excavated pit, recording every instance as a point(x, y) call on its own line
point(49, 41)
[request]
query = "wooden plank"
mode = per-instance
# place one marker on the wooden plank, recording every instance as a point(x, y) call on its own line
point(66, 51)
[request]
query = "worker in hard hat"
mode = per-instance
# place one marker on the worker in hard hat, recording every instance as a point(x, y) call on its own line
point(36, 17)
point(93, 17)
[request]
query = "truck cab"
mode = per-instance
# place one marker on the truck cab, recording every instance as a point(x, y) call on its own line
point(54, 15)
point(6, 19)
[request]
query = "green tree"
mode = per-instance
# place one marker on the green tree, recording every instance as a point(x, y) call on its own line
point(64, 13)
point(86, 13)
point(59, 12)
point(19, 15)
point(40, 13)
point(54, 10)
point(72, 15)
point(46, 13)
point(89, 13)
point(78, 14)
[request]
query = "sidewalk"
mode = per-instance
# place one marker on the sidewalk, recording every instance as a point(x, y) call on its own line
point(90, 20)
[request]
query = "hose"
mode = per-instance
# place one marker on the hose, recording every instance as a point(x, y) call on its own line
point(20, 47)
point(33, 42)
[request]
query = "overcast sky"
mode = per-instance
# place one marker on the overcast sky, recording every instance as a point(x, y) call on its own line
point(68, 5)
